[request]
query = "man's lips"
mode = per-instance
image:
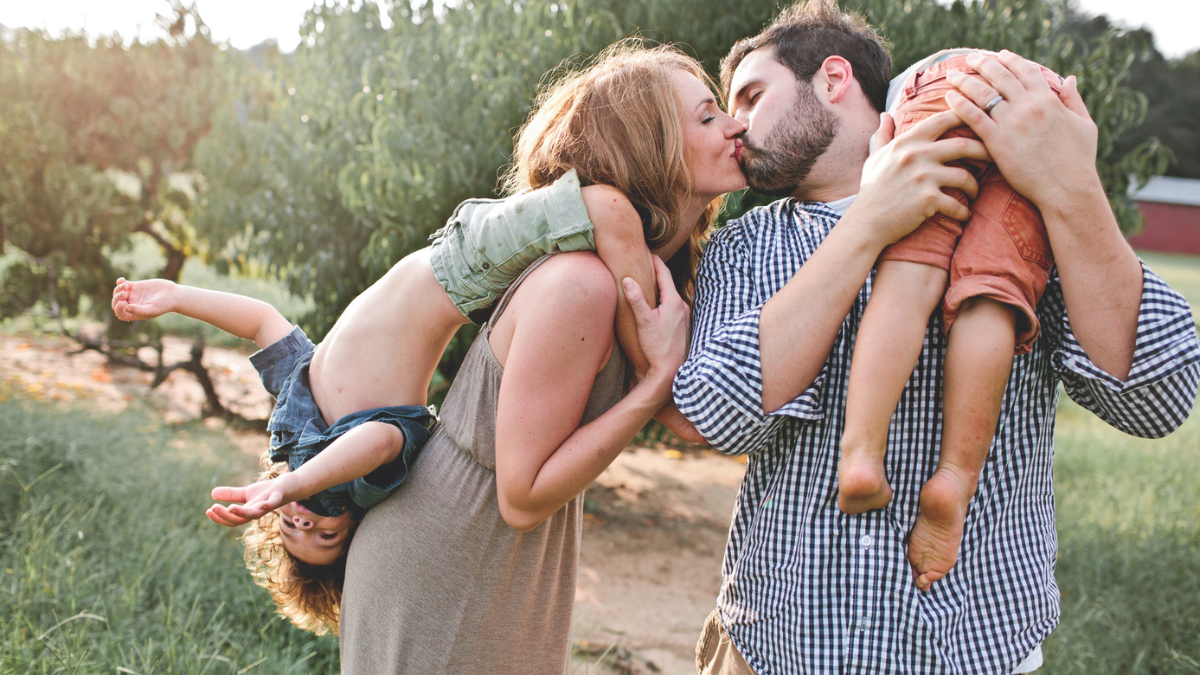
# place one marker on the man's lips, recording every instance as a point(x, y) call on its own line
point(737, 151)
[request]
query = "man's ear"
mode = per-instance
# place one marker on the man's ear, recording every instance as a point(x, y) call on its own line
point(834, 80)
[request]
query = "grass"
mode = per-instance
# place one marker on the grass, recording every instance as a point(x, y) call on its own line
point(1129, 549)
point(1128, 513)
point(107, 563)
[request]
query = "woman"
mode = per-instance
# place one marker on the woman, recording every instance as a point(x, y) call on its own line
point(471, 566)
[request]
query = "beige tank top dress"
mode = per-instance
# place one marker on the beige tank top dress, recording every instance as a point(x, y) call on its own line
point(436, 581)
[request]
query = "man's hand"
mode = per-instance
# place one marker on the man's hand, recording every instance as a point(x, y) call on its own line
point(1044, 143)
point(1045, 146)
point(903, 178)
point(250, 502)
point(142, 300)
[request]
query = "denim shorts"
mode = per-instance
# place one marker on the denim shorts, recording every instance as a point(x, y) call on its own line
point(298, 431)
point(487, 243)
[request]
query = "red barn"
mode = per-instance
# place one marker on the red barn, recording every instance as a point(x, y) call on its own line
point(1172, 210)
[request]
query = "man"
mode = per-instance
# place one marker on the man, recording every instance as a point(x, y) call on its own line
point(807, 588)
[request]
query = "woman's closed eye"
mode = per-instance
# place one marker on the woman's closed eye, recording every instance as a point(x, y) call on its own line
point(329, 536)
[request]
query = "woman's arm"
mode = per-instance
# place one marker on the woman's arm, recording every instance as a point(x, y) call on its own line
point(238, 315)
point(554, 339)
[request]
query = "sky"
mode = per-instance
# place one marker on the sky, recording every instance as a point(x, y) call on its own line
point(244, 23)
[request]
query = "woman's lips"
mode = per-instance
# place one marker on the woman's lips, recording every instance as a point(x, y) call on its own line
point(737, 151)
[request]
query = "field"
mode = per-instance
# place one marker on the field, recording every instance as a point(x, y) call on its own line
point(108, 565)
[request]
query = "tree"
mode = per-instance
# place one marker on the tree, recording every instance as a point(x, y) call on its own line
point(95, 145)
point(340, 160)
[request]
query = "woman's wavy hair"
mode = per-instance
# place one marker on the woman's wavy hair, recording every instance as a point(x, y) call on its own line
point(308, 595)
point(616, 121)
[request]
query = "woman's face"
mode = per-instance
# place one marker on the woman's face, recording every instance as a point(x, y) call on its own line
point(711, 147)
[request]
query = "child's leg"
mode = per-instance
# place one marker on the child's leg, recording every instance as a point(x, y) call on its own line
point(979, 358)
point(621, 245)
point(886, 351)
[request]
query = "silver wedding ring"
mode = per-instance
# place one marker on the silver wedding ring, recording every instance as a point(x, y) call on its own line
point(987, 109)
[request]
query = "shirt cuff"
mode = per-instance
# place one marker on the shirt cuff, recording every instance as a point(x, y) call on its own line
point(1166, 341)
point(735, 357)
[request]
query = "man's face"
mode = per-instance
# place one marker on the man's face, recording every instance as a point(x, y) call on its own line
point(787, 127)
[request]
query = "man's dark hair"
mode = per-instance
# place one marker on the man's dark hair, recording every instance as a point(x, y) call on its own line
point(807, 33)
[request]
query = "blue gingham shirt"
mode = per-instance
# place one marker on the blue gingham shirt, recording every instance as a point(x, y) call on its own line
point(808, 589)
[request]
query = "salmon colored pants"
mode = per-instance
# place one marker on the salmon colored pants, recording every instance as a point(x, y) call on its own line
point(1003, 251)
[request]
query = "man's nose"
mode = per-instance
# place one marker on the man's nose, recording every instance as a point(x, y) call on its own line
point(302, 522)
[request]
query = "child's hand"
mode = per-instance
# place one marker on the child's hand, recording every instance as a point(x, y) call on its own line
point(141, 300)
point(250, 502)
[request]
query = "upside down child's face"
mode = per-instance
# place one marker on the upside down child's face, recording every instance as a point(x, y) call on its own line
point(313, 539)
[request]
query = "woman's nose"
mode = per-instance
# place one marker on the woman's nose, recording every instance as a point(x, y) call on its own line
point(301, 522)
point(736, 127)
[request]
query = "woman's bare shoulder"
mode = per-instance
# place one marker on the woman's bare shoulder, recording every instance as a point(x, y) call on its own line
point(576, 279)
point(568, 298)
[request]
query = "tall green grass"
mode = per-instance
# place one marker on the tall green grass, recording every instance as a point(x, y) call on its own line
point(1129, 536)
point(108, 565)
point(1129, 549)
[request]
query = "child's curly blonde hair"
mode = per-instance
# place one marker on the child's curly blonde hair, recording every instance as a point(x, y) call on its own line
point(308, 595)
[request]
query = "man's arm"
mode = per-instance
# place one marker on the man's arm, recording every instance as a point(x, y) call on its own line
point(753, 363)
point(901, 187)
point(1157, 394)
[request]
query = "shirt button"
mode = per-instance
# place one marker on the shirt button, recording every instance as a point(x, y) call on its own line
point(866, 541)
point(486, 266)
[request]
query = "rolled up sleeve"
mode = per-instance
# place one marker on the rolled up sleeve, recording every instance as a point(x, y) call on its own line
point(719, 387)
point(1160, 390)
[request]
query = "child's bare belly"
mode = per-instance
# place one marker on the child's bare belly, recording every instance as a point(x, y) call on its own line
point(384, 348)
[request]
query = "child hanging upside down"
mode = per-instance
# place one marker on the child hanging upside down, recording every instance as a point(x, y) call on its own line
point(350, 414)
point(997, 273)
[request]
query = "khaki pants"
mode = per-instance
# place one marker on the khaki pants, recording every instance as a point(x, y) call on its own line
point(715, 653)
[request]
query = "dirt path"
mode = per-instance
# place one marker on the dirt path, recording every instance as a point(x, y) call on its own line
point(655, 521)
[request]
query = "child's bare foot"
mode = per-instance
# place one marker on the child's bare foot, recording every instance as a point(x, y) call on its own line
point(862, 485)
point(933, 544)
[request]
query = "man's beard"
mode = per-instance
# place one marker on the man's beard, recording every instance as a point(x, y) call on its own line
point(778, 167)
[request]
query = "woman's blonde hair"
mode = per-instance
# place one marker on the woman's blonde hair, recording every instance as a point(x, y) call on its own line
point(617, 122)
point(308, 595)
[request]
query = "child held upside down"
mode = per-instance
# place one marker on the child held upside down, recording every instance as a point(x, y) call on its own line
point(997, 273)
point(350, 414)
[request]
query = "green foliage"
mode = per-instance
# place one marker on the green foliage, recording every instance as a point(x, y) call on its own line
point(335, 162)
point(95, 144)
point(107, 563)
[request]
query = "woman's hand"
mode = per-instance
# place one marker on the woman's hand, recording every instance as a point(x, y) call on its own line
point(662, 331)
